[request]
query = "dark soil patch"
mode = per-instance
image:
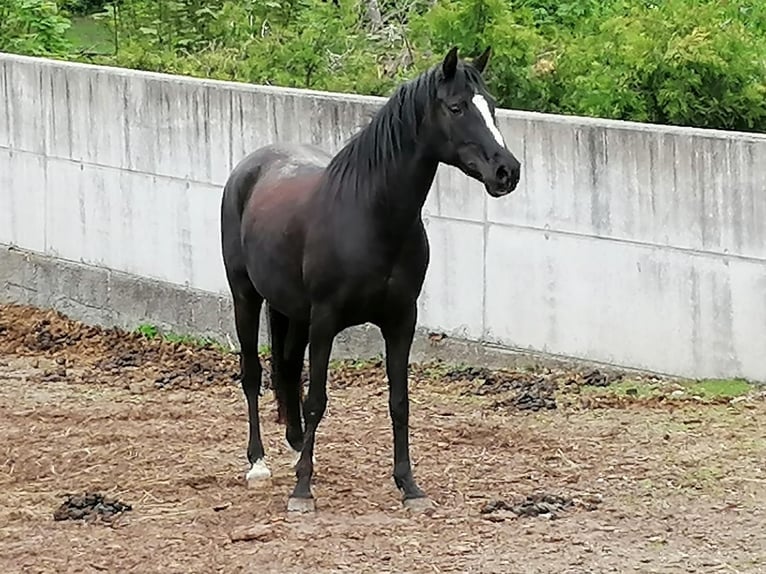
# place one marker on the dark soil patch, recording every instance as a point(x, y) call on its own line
point(532, 395)
point(684, 486)
point(538, 504)
point(532, 391)
point(90, 507)
point(69, 350)
point(26, 331)
point(596, 378)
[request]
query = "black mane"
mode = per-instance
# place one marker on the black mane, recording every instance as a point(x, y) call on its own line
point(364, 164)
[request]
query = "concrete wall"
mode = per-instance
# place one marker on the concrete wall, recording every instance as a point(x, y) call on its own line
point(630, 244)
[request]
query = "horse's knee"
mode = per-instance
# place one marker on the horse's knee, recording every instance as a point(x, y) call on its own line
point(314, 407)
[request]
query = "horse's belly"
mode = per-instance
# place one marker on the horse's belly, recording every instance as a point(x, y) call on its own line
point(377, 297)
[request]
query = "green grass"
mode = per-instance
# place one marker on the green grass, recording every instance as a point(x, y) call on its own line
point(719, 388)
point(704, 388)
point(148, 331)
point(89, 34)
point(357, 364)
point(152, 332)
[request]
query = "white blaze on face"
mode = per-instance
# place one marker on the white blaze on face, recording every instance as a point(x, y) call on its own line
point(483, 107)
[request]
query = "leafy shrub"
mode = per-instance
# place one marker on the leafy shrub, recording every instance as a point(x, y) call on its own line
point(680, 62)
point(687, 62)
point(83, 7)
point(517, 46)
point(33, 27)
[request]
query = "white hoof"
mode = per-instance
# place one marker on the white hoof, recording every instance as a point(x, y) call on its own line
point(259, 471)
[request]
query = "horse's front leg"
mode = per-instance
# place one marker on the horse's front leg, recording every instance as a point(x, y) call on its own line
point(398, 332)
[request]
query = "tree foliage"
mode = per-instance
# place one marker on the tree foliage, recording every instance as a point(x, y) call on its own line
point(33, 27)
point(687, 62)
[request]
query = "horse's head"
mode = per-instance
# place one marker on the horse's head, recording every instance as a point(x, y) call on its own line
point(464, 129)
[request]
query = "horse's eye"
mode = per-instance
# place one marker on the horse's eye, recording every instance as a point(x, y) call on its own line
point(456, 108)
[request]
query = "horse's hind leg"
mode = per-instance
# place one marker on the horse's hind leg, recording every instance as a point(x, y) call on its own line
point(321, 334)
point(288, 347)
point(247, 312)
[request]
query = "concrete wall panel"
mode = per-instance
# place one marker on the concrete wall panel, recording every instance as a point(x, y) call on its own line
point(634, 244)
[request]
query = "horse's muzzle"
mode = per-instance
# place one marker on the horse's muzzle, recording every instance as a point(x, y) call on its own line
point(505, 177)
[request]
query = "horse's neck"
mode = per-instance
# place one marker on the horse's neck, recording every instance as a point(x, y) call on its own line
point(399, 202)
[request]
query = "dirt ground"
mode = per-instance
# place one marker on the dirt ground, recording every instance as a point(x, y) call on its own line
point(663, 482)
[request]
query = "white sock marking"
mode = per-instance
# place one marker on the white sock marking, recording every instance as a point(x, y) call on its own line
point(297, 453)
point(259, 471)
point(483, 107)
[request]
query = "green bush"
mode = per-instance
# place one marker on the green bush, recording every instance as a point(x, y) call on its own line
point(83, 7)
point(687, 62)
point(33, 27)
point(681, 62)
point(295, 43)
point(516, 42)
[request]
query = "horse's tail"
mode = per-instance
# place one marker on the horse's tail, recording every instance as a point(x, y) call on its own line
point(292, 345)
point(279, 383)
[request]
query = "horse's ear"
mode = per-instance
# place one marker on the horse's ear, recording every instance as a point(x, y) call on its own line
point(480, 63)
point(449, 65)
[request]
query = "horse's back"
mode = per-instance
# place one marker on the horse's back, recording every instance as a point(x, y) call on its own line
point(284, 162)
point(265, 168)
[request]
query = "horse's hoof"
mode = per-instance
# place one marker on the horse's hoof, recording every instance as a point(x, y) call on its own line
point(258, 473)
point(303, 505)
point(422, 504)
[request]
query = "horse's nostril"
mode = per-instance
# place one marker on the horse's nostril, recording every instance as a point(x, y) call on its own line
point(501, 174)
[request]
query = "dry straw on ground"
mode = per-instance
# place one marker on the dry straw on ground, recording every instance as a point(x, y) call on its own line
point(680, 482)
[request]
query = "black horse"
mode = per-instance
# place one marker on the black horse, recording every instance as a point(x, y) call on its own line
point(330, 242)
